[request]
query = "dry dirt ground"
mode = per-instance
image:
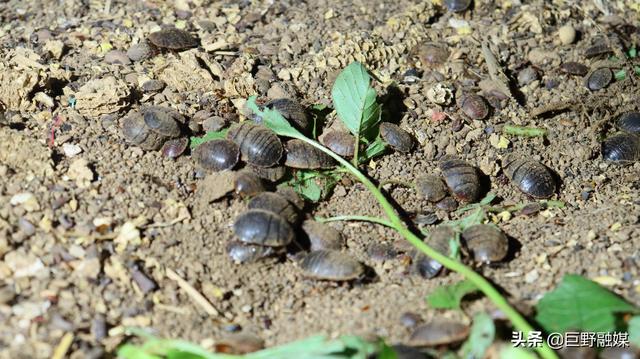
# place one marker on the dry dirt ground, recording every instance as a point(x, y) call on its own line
point(85, 218)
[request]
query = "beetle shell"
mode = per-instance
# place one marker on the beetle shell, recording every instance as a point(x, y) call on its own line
point(597, 50)
point(531, 177)
point(272, 174)
point(291, 195)
point(621, 147)
point(629, 122)
point(474, 106)
point(431, 188)
point(330, 265)
point(172, 39)
point(438, 239)
point(240, 252)
point(397, 138)
point(457, 5)
point(599, 79)
point(174, 148)
point(217, 155)
point(574, 68)
point(161, 121)
point(136, 131)
point(486, 243)
point(438, 333)
point(322, 236)
point(247, 183)
point(292, 111)
point(462, 179)
point(302, 155)
point(265, 228)
point(275, 203)
point(258, 145)
point(342, 143)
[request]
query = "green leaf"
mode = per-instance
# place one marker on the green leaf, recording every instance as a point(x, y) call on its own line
point(355, 101)
point(387, 352)
point(274, 120)
point(211, 135)
point(634, 330)
point(374, 149)
point(129, 351)
point(314, 347)
point(450, 296)
point(482, 333)
point(620, 75)
point(633, 52)
point(580, 304)
point(313, 184)
point(476, 217)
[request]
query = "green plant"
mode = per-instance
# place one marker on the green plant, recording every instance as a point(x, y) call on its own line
point(355, 108)
point(314, 347)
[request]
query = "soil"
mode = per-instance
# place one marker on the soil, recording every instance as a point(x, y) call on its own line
point(89, 224)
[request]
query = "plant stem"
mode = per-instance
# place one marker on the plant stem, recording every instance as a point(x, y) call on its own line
point(394, 220)
point(377, 220)
point(355, 152)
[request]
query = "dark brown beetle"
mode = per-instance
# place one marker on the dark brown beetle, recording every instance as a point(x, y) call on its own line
point(574, 68)
point(431, 188)
point(474, 106)
point(241, 252)
point(172, 39)
point(461, 178)
point(397, 138)
point(599, 79)
point(629, 122)
point(457, 5)
point(342, 143)
point(248, 184)
point(486, 243)
point(438, 333)
point(272, 174)
point(217, 155)
point(330, 265)
point(439, 239)
point(302, 155)
point(292, 111)
point(597, 50)
point(275, 203)
point(622, 147)
point(265, 228)
point(136, 129)
point(258, 145)
point(531, 177)
point(322, 236)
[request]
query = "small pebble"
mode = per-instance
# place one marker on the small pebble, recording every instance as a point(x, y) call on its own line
point(145, 283)
point(567, 34)
point(139, 52)
point(153, 86)
point(71, 149)
point(527, 76)
point(116, 57)
point(410, 320)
